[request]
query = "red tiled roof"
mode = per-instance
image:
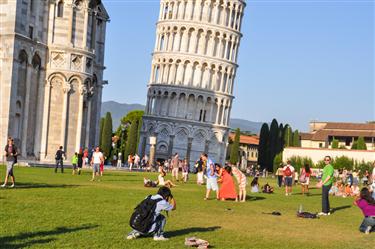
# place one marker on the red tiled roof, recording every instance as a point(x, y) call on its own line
point(245, 139)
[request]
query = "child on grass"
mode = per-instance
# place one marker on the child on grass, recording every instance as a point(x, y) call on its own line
point(74, 163)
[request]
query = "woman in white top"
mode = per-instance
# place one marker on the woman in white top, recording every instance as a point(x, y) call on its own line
point(162, 182)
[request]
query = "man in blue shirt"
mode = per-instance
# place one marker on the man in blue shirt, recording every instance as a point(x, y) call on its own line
point(211, 177)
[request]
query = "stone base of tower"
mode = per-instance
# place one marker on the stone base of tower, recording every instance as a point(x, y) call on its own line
point(187, 138)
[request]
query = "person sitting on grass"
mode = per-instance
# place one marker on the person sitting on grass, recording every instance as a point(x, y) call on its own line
point(148, 183)
point(334, 190)
point(348, 191)
point(267, 189)
point(367, 204)
point(147, 218)
point(254, 185)
point(162, 182)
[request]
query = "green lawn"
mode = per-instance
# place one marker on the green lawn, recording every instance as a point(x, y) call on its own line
point(48, 210)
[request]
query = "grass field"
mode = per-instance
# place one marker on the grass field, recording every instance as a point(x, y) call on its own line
point(48, 210)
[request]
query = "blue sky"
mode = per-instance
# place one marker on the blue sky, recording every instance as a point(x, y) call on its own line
point(298, 60)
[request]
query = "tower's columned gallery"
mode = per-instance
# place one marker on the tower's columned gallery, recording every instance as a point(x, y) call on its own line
point(190, 91)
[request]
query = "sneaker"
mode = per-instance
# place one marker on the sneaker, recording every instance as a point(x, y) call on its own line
point(133, 235)
point(368, 230)
point(12, 186)
point(3, 186)
point(160, 238)
point(324, 214)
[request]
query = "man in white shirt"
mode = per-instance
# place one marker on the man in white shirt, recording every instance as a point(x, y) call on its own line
point(96, 159)
point(288, 171)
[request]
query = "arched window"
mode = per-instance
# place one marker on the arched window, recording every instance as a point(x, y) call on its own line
point(60, 9)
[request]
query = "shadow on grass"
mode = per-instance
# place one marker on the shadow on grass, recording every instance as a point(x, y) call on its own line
point(254, 198)
point(191, 230)
point(333, 210)
point(16, 241)
point(43, 185)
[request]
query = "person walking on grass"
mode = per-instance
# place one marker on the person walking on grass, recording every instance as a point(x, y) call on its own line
point(304, 179)
point(59, 157)
point(280, 174)
point(175, 164)
point(74, 163)
point(80, 161)
point(211, 177)
point(11, 158)
point(241, 181)
point(288, 171)
point(147, 218)
point(96, 159)
point(326, 184)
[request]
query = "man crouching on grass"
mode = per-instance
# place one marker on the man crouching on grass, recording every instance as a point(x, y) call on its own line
point(147, 220)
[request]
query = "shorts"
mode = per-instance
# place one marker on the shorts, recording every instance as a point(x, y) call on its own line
point(95, 167)
point(212, 184)
point(175, 172)
point(10, 168)
point(74, 166)
point(288, 181)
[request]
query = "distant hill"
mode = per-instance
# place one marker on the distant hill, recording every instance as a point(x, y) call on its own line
point(245, 125)
point(119, 110)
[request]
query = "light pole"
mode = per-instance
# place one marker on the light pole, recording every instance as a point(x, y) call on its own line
point(152, 150)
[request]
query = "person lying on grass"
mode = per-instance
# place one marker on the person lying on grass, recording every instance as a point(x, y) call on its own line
point(147, 218)
point(367, 204)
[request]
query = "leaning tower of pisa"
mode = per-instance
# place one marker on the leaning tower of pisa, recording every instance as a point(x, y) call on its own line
point(190, 91)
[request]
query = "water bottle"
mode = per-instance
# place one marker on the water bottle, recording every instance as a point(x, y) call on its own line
point(300, 210)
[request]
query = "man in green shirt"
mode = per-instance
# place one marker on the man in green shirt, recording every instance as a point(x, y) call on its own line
point(326, 184)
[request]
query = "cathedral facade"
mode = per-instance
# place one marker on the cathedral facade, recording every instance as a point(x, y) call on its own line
point(190, 91)
point(51, 78)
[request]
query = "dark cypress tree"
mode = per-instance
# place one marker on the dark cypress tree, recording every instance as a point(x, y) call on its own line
point(280, 139)
point(101, 131)
point(263, 150)
point(131, 144)
point(296, 141)
point(273, 143)
point(235, 147)
point(107, 135)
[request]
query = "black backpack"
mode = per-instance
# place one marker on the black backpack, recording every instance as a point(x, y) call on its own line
point(143, 216)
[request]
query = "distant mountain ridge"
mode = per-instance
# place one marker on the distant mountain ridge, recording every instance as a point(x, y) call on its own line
point(118, 110)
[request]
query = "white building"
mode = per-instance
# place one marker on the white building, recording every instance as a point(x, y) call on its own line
point(51, 77)
point(193, 69)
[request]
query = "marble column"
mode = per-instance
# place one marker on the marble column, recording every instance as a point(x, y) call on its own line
point(188, 150)
point(46, 107)
point(170, 146)
point(66, 89)
point(26, 110)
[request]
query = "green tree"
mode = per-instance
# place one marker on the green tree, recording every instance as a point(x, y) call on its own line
point(277, 161)
point(101, 125)
point(280, 139)
point(273, 143)
point(107, 135)
point(235, 147)
point(343, 162)
point(335, 143)
point(131, 144)
point(296, 141)
point(126, 121)
point(354, 145)
point(288, 136)
point(263, 150)
point(361, 145)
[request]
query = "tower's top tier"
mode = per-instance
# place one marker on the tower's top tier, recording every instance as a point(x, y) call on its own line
point(224, 13)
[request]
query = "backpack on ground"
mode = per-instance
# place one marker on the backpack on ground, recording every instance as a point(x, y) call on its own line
point(307, 215)
point(288, 171)
point(143, 215)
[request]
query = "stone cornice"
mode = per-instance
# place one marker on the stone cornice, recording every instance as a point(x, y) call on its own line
point(197, 91)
